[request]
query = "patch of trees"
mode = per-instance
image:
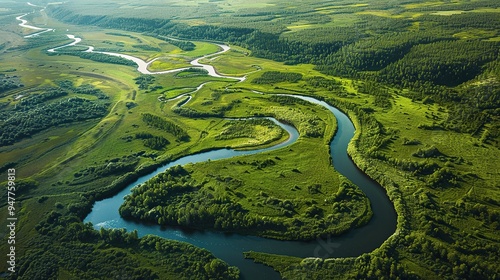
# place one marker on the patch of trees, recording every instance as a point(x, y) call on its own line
point(373, 53)
point(242, 128)
point(208, 32)
point(411, 142)
point(382, 25)
point(99, 57)
point(443, 178)
point(143, 135)
point(90, 90)
point(124, 35)
point(181, 44)
point(161, 123)
point(199, 208)
point(144, 81)
point(24, 123)
point(464, 118)
point(192, 71)
point(115, 166)
point(382, 95)
point(287, 100)
point(428, 152)
point(221, 110)
point(477, 111)
point(216, 111)
point(272, 77)
point(322, 40)
point(176, 198)
point(7, 166)
point(328, 84)
point(447, 63)
point(156, 142)
point(367, 266)
point(147, 47)
point(290, 51)
point(9, 82)
point(23, 187)
point(470, 107)
point(48, 39)
point(415, 167)
point(86, 253)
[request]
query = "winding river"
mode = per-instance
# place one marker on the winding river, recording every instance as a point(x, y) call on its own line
point(230, 247)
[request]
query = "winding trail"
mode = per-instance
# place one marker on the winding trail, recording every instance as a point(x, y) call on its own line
point(230, 247)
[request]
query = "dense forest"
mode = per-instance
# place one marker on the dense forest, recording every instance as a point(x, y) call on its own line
point(272, 77)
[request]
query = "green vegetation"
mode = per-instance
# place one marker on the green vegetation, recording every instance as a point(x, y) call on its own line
point(419, 79)
point(33, 114)
point(272, 77)
point(9, 82)
point(245, 129)
point(168, 126)
point(224, 203)
point(190, 72)
point(107, 168)
point(144, 81)
point(98, 57)
point(448, 63)
point(183, 45)
point(86, 253)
